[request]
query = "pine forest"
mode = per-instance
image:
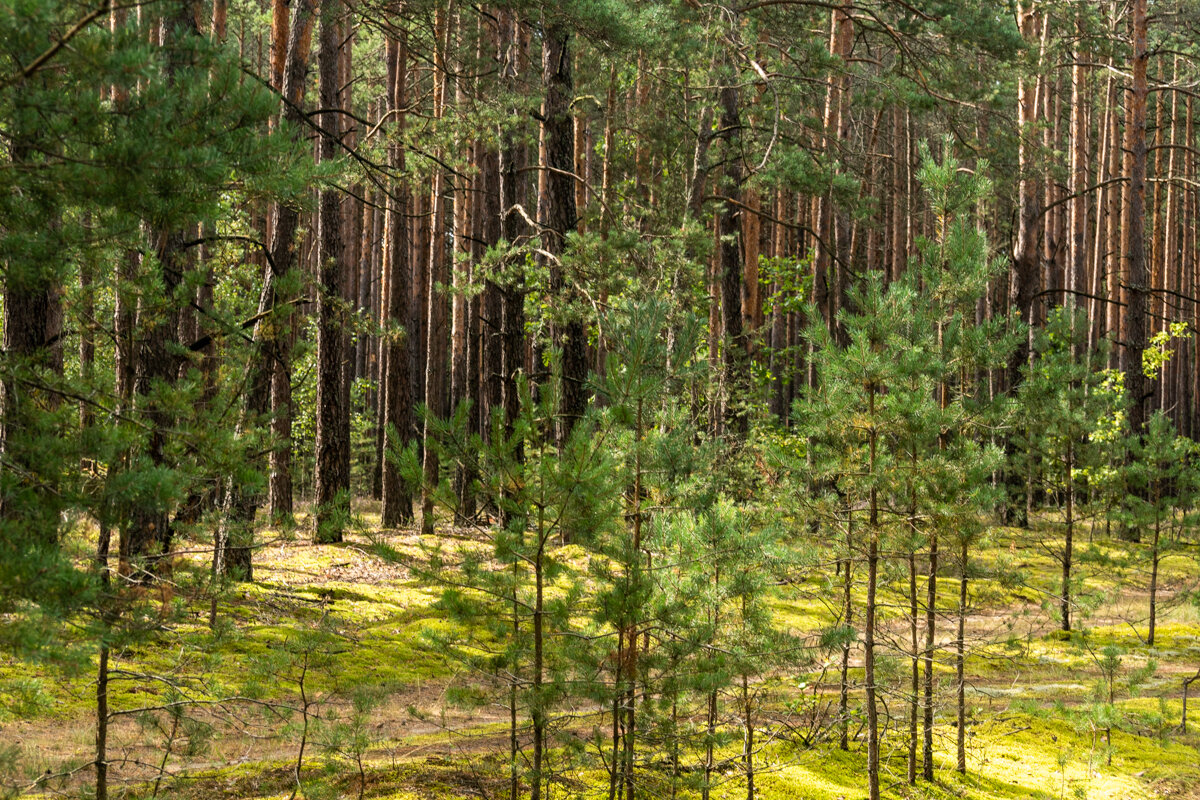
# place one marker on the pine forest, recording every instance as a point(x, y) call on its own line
point(599, 399)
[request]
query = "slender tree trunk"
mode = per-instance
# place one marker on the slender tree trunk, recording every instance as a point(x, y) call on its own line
point(1097, 308)
point(1154, 271)
point(826, 296)
point(729, 226)
point(869, 621)
point(348, 253)
point(1069, 543)
point(462, 344)
point(1187, 682)
point(1076, 283)
point(1170, 261)
point(751, 303)
point(899, 205)
point(959, 661)
point(1135, 379)
point(780, 369)
point(332, 478)
point(748, 738)
point(930, 644)
point(233, 549)
point(847, 611)
point(102, 671)
point(1154, 559)
point(491, 373)
point(614, 772)
point(280, 487)
point(87, 340)
point(437, 303)
point(397, 398)
point(710, 724)
point(634, 623)
point(102, 719)
point(512, 160)
point(538, 699)
point(514, 741)
point(1114, 254)
point(915, 682)
point(1023, 279)
point(147, 535)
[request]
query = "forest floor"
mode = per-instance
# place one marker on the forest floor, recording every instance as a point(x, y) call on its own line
point(333, 625)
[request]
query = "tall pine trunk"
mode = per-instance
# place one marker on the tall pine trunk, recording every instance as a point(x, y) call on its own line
point(733, 347)
point(332, 478)
point(233, 549)
point(1135, 379)
point(437, 309)
point(147, 534)
point(557, 212)
point(397, 385)
point(1024, 276)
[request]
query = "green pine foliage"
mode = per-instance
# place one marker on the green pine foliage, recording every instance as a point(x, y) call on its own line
point(659, 604)
point(141, 135)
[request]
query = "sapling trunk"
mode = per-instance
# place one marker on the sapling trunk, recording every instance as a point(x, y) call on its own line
point(1068, 544)
point(915, 685)
point(847, 608)
point(102, 723)
point(959, 663)
point(304, 706)
point(748, 740)
point(630, 729)
point(104, 541)
point(539, 634)
point(1111, 678)
point(930, 624)
point(869, 622)
point(711, 722)
point(1154, 565)
point(931, 589)
point(514, 775)
point(914, 635)
point(675, 743)
point(709, 754)
point(614, 778)
point(1029, 492)
point(747, 721)
point(632, 669)
point(1187, 683)
point(162, 766)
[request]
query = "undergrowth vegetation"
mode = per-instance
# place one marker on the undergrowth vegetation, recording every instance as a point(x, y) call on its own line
point(348, 654)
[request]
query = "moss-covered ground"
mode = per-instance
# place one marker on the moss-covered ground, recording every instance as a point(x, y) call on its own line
point(323, 628)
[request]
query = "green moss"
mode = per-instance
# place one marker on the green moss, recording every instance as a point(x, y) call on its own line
point(1039, 682)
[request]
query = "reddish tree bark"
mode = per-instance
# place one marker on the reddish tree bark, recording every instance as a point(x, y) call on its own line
point(332, 479)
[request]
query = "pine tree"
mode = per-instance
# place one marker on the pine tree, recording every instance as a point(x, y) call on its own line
point(1061, 403)
point(131, 136)
point(1163, 482)
point(542, 491)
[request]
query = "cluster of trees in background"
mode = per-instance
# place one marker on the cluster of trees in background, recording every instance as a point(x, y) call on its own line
point(631, 277)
